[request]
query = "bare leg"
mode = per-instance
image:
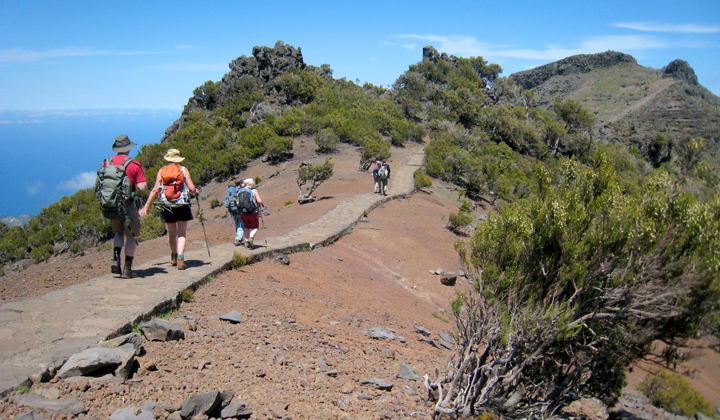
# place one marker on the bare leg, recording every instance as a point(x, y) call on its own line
point(181, 234)
point(172, 237)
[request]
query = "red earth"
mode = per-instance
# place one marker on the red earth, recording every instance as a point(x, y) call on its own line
point(301, 351)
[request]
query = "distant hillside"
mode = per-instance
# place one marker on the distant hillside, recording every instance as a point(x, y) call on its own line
point(15, 220)
point(653, 110)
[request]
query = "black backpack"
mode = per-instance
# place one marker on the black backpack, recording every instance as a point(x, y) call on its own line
point(246, 201)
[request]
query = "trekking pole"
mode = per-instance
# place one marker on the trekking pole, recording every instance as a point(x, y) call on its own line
point(263, 224)
point(202, 222)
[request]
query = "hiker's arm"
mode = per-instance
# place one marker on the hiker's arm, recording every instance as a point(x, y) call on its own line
point(141, 186)
point(151, 197)
point(191, 186)
point(258, 199)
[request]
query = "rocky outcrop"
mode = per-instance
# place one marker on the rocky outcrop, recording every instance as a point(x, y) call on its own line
point(681, 70)
point(261, 71)
point(431, 54)
point(575, 64)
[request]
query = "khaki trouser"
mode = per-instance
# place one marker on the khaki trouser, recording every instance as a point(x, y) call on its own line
point(118, 226)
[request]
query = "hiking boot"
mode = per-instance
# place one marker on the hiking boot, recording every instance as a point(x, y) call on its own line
point(249, 243)
point(115, 267)
point(238, 242)
point(128, 272)
point(181, 263)
point(173, 260)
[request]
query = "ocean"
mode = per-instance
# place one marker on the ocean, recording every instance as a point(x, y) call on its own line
point(48, 154)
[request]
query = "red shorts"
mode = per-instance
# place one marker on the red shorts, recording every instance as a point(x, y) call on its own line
point(250, 220)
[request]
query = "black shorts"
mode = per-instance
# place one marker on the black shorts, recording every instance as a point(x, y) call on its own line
point(177, 214)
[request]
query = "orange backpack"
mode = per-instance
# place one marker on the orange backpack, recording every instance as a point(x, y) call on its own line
point(172, 180)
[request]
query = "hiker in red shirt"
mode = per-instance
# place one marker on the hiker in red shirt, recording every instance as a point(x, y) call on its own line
point(124, 234)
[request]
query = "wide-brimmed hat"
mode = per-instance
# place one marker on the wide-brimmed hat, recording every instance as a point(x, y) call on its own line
point(122, 144)
point(173, 155)
point(250, 183)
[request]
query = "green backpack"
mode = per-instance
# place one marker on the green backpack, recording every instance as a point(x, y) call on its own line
point(114, 190)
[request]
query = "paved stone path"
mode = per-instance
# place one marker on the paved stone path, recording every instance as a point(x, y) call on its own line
point(36, 331)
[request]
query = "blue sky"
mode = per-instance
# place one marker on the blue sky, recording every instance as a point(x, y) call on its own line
point(152, 54)
point(129, 67)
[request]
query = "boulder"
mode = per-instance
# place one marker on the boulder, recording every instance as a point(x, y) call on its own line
point(133, 338)
point(422, 330)
point(127, 361)
point(88, 361)
point(161, 330)
point(448, 279)
point(407, 373)
point(378, 383)
point(206, 404)
point(379, 333)
point(235, 410)
point(233, 317)
point(132, 413)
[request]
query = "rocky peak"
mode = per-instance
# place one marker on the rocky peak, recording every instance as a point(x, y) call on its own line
point(680, 70)
point(430, 54)
point(576, 64)
point(266, 63)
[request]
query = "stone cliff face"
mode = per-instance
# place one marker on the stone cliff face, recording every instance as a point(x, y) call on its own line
point(575, 64)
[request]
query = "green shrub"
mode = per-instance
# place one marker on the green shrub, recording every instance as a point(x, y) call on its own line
point(277, 147)
point(41, 253)
point(239, 260)
point(187, 295)
point(152, 226)
point(214, 203)
point(326, 141)
point(422, 180)
point(674, 393)
point(463, 218)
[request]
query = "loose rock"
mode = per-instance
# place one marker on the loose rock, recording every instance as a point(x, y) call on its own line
point(161, 330)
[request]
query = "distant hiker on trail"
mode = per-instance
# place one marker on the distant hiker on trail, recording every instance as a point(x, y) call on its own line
point(376, 179)
point(249, 202)
point(115, 186)
point(173, 186)
point(383, 176)
point(233, 206)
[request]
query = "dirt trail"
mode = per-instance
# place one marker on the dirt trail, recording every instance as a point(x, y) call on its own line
point(664, 84)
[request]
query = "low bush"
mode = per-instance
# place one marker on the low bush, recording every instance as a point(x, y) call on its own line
point(463, 217)
point(42, 253)
point(674, 393)
point(422, 180)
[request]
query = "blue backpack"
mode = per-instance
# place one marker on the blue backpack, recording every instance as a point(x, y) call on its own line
point(231, 199)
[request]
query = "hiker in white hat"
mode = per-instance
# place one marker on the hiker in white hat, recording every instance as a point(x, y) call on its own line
point(173, 186)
